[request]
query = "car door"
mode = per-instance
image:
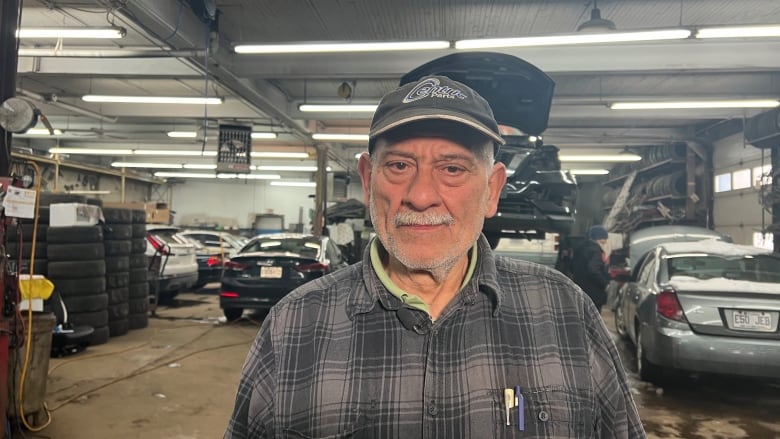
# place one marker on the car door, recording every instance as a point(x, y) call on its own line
point(636, 291)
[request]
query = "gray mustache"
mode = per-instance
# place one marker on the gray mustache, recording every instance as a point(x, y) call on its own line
point(422, 219)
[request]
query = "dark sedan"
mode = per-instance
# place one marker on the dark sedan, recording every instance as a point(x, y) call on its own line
point(707, 306)
point(270, 266)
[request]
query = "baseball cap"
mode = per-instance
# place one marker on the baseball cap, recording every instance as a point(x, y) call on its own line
point(433, 98)
point(598, 232)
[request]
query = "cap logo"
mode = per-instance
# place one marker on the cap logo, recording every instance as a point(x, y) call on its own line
point(432, 87)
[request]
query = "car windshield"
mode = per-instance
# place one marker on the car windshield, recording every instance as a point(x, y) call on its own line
point(302, 246)
point(754, 268)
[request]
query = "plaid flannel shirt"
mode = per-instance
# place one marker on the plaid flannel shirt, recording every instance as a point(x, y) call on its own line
point(341, 357)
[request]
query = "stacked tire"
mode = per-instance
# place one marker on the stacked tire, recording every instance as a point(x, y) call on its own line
point(139, 288)
point(118, 232)
point(77, 267)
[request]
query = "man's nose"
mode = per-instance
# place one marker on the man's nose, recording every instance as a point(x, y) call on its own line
point(422, 192)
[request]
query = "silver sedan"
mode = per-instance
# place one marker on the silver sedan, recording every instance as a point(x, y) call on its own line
point(706, 306)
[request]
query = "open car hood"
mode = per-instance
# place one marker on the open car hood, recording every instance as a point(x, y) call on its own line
point(519, 93)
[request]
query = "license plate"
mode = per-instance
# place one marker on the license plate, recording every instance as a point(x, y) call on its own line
point(752, 320)
point(271, 272)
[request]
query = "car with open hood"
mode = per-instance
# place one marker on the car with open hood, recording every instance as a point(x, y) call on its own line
point(539, 196)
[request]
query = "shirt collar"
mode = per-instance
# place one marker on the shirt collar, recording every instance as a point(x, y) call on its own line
point(484, 273)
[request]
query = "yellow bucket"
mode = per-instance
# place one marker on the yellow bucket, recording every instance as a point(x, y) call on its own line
point(36, 288)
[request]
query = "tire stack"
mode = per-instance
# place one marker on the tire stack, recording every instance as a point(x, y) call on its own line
point(139, 288)
point(118, 232)
point(77, 267)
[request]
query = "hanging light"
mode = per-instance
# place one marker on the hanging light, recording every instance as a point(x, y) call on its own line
point(596, 23)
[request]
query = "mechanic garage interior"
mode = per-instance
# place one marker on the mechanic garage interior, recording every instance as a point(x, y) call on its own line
point(195, 192)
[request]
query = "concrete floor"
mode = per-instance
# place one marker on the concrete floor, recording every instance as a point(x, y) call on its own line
point(177, 379)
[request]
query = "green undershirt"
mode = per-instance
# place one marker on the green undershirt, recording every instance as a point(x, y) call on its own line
point(412, 300)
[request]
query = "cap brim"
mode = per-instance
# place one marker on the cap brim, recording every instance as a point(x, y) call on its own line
point(442, 115)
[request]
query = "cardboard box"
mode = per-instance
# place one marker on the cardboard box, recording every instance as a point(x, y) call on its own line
point(74, 214)
point(156, 215)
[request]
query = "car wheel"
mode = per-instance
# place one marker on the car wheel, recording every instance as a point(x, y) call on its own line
point(646, 370)
point(233, 314)
point(620, 322)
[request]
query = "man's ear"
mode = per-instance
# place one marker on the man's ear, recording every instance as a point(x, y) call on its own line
point(496, 182)
point(364, 169)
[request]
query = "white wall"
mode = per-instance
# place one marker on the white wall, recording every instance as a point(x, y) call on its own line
point(70, 179)
point(234, 203)
point(738, 212)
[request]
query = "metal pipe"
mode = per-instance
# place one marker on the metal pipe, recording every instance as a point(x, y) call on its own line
point(66, 106)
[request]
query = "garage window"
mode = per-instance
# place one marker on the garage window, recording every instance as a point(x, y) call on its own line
point(762, 176)
point(763, 240)
point(741, 179)
point(723, 182)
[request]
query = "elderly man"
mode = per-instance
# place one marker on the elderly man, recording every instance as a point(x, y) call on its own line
point(431, 335)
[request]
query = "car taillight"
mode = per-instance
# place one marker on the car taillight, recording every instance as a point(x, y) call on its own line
point(308, 268)
point(235, 266)
point(214, 260)
point(158, 245)
point(228, 294)
point(667, 305)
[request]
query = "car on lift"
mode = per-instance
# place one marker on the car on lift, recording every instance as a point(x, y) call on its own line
point(539, 196)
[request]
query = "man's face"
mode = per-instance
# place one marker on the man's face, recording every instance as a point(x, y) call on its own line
point(428, 199)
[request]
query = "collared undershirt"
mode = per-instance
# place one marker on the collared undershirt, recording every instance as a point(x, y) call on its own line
point(413, 300)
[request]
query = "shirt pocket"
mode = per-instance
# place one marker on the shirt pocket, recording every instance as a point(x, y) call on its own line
point(551, 413)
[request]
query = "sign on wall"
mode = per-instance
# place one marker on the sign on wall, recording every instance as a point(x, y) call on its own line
point(235, 149)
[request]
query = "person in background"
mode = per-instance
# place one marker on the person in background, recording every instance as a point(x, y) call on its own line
point(431, 334)
point(589, 266)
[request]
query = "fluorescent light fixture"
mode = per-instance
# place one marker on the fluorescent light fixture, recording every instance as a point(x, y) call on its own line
point(739, 31)
point(72, 32)
point(340, 47)
point(42, 132)
point(294, 183)
point(280, 155)
point(337, 108)
point(571, 39)
point(175, 152)
point(90, 151)
point(342, 137)
point(286, 168)
point(623, 157)
point(250, 176)
point(263, 135)
point(674, 105)
point(183, 174)
point(199, 166)
point(183, 134)
point(87, 192)
point(589, 171)
point(153, 99)
point(146, 165)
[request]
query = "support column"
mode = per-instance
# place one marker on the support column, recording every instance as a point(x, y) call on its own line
point(9, 15)
point(775, 158)
point(321, 192)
